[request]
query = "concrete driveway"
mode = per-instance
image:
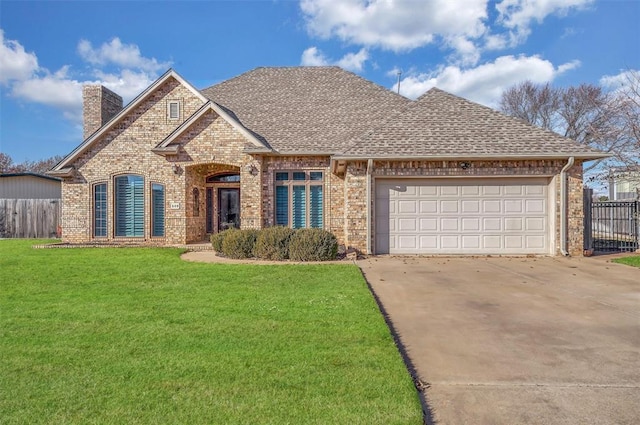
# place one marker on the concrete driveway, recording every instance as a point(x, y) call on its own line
point(518, 340)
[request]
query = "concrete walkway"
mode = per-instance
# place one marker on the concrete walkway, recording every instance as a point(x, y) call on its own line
point(518, 340)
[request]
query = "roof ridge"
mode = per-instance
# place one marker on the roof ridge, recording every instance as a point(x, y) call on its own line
point(257, 68)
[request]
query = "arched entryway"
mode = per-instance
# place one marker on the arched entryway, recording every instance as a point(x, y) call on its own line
point(222, 202)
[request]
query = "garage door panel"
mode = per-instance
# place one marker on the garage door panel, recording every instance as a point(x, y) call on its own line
point(534, 242)
point(450, 242)
point(492, 242)
point(490, 190)
point(428, 242)
point(471, 224)
point(407, 242)
point(491, 224)
point(471, 242)
point(449, 216)
point(534, 205)
point(512, 224)
point(471, 206)
point(449, 191)
point(407, 206)
point(535, 190)
point(448, 207)
point(449, 224)
point(407, 225)
point(535, 224)
point(428, 191)
point(428, 207)
point(428, 224)
point(513, 241)
point(491, 206)
point(513, 206)
point(470, 190)
point(513, 190)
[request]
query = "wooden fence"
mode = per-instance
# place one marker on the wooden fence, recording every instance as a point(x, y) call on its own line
point(29, 218)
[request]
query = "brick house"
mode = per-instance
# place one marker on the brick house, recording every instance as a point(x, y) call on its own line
point(320, 147)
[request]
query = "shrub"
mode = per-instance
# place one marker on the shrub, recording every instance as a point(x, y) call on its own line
point(313, 245)
point(217, 239)
point(239, 243)
point(273, 243)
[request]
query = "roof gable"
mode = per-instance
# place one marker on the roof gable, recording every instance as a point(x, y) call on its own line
point(440, 124)
point(63, 166)
point(259, 145)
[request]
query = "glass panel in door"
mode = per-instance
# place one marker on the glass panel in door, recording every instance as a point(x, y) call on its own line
point(228, 208)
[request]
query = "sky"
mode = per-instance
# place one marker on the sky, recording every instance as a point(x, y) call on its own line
point(472, 48)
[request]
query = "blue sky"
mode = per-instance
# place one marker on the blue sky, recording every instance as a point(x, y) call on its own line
point(473, 48)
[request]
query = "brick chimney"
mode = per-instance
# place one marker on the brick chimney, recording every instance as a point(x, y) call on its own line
point(99, 105)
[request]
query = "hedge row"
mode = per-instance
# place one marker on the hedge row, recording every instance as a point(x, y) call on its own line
point(277, 243)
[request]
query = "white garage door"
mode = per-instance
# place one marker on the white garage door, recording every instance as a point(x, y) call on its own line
point(462, 216)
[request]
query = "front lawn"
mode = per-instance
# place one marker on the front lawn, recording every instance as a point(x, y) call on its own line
point(630, 261)
point(137, 336)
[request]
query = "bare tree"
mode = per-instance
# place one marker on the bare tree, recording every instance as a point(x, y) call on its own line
point(587, 114)
point(41, 166)
point(629, 98)
point(5, 162)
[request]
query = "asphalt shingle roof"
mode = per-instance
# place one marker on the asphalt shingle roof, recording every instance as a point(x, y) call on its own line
point(331, 111)
point(440, 124)
point(305, 109)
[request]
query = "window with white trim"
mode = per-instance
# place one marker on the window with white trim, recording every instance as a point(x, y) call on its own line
point(299, 199)
point(173, 110)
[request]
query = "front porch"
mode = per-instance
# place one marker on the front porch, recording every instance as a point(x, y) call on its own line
point(218, 197)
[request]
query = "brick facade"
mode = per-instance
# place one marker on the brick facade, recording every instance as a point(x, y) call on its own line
point(99, 105)
point(212, 146)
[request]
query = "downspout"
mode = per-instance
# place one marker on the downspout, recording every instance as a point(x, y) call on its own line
point(369, 171)
point(563, 206)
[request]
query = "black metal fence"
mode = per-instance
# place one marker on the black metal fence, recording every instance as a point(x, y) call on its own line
point(611, 225)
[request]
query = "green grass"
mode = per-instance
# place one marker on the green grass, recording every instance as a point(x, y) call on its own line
point(138, 336)
point(630, 261)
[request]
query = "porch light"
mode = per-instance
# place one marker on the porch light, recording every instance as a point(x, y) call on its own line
point(176, 169)
point(250, 169)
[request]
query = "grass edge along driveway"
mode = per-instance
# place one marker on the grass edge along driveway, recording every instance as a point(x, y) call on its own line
point(138, 336)
point(629, 261)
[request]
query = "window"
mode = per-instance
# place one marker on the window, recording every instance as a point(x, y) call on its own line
point(174, 110)
point(157, 209)
point(100, 210)
point(129, 206)
point(224, 178)
point(299, 199)
point(196, 202)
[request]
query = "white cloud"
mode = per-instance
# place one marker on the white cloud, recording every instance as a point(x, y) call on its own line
point(518, 15)
point(116, 53)
point(313, 57)
point(485, 83)
point(351, 61)
point(618, 80)
point(354, 61)
point(55, 90)
point(15, 62)
point(62, 90)
point(398, 25)
point(463, 27)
